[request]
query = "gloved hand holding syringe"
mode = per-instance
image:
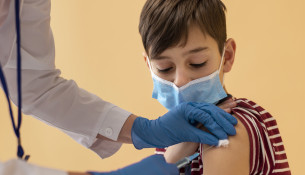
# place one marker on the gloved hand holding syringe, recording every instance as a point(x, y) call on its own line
point(186, 160)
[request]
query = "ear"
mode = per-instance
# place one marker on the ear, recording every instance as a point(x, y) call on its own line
point(229, 55)
point(145, 58)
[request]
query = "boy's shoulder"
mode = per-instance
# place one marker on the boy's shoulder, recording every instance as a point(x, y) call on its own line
point(264, 135)
point(252, 107)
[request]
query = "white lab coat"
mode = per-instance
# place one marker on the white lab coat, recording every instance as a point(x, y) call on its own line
point(47, 96)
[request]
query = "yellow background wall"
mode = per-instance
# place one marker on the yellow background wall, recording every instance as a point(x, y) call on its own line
point(98, 45)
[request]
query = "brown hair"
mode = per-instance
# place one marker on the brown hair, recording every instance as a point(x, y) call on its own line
point(164, 23)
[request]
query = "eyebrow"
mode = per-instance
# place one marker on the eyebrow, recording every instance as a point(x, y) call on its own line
point(159, 57)
point(196, 50)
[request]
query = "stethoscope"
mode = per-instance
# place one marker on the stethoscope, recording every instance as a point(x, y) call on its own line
point(16, 127)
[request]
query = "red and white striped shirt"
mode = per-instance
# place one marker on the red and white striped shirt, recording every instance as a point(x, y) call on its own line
point(267, 153)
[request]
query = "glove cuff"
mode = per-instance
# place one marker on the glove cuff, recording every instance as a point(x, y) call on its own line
point(141, 133)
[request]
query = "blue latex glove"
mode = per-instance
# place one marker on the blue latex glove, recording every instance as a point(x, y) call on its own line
point(178, 126)
point(153, 165)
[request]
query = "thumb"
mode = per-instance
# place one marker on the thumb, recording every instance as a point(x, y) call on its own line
point(203, 137)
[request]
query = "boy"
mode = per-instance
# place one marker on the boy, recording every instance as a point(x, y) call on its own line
point(188, 53)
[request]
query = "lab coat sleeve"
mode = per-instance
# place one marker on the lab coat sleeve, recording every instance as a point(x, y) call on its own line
point(46, 95)
point(19, 167)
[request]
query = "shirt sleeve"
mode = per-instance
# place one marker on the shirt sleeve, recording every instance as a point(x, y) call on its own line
point(20, 167)
point(46, 95)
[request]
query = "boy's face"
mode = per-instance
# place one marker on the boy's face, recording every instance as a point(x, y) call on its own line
point(198, 58)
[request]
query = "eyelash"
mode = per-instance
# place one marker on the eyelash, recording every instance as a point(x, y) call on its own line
point(164, 70)
point(193, 65)
point(198, 65)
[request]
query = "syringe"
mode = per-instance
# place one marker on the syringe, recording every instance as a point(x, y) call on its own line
point(186, 160)
point(181, 163)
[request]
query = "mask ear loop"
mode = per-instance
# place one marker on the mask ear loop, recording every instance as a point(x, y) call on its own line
point(221, 62)
point(149, 65)
point(222, 56)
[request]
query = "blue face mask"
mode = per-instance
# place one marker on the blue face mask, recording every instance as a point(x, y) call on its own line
point(207, 89)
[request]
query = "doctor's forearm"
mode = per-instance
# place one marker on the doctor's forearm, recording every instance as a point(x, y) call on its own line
point(125, 133)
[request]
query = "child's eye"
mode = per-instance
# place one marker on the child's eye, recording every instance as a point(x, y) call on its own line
point(198, 65)
point(164, 70)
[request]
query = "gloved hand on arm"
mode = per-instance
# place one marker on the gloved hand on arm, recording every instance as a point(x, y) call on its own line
point(217, 120)
point(178, 125)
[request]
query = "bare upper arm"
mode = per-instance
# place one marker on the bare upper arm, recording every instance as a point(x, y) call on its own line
point(234, 159)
